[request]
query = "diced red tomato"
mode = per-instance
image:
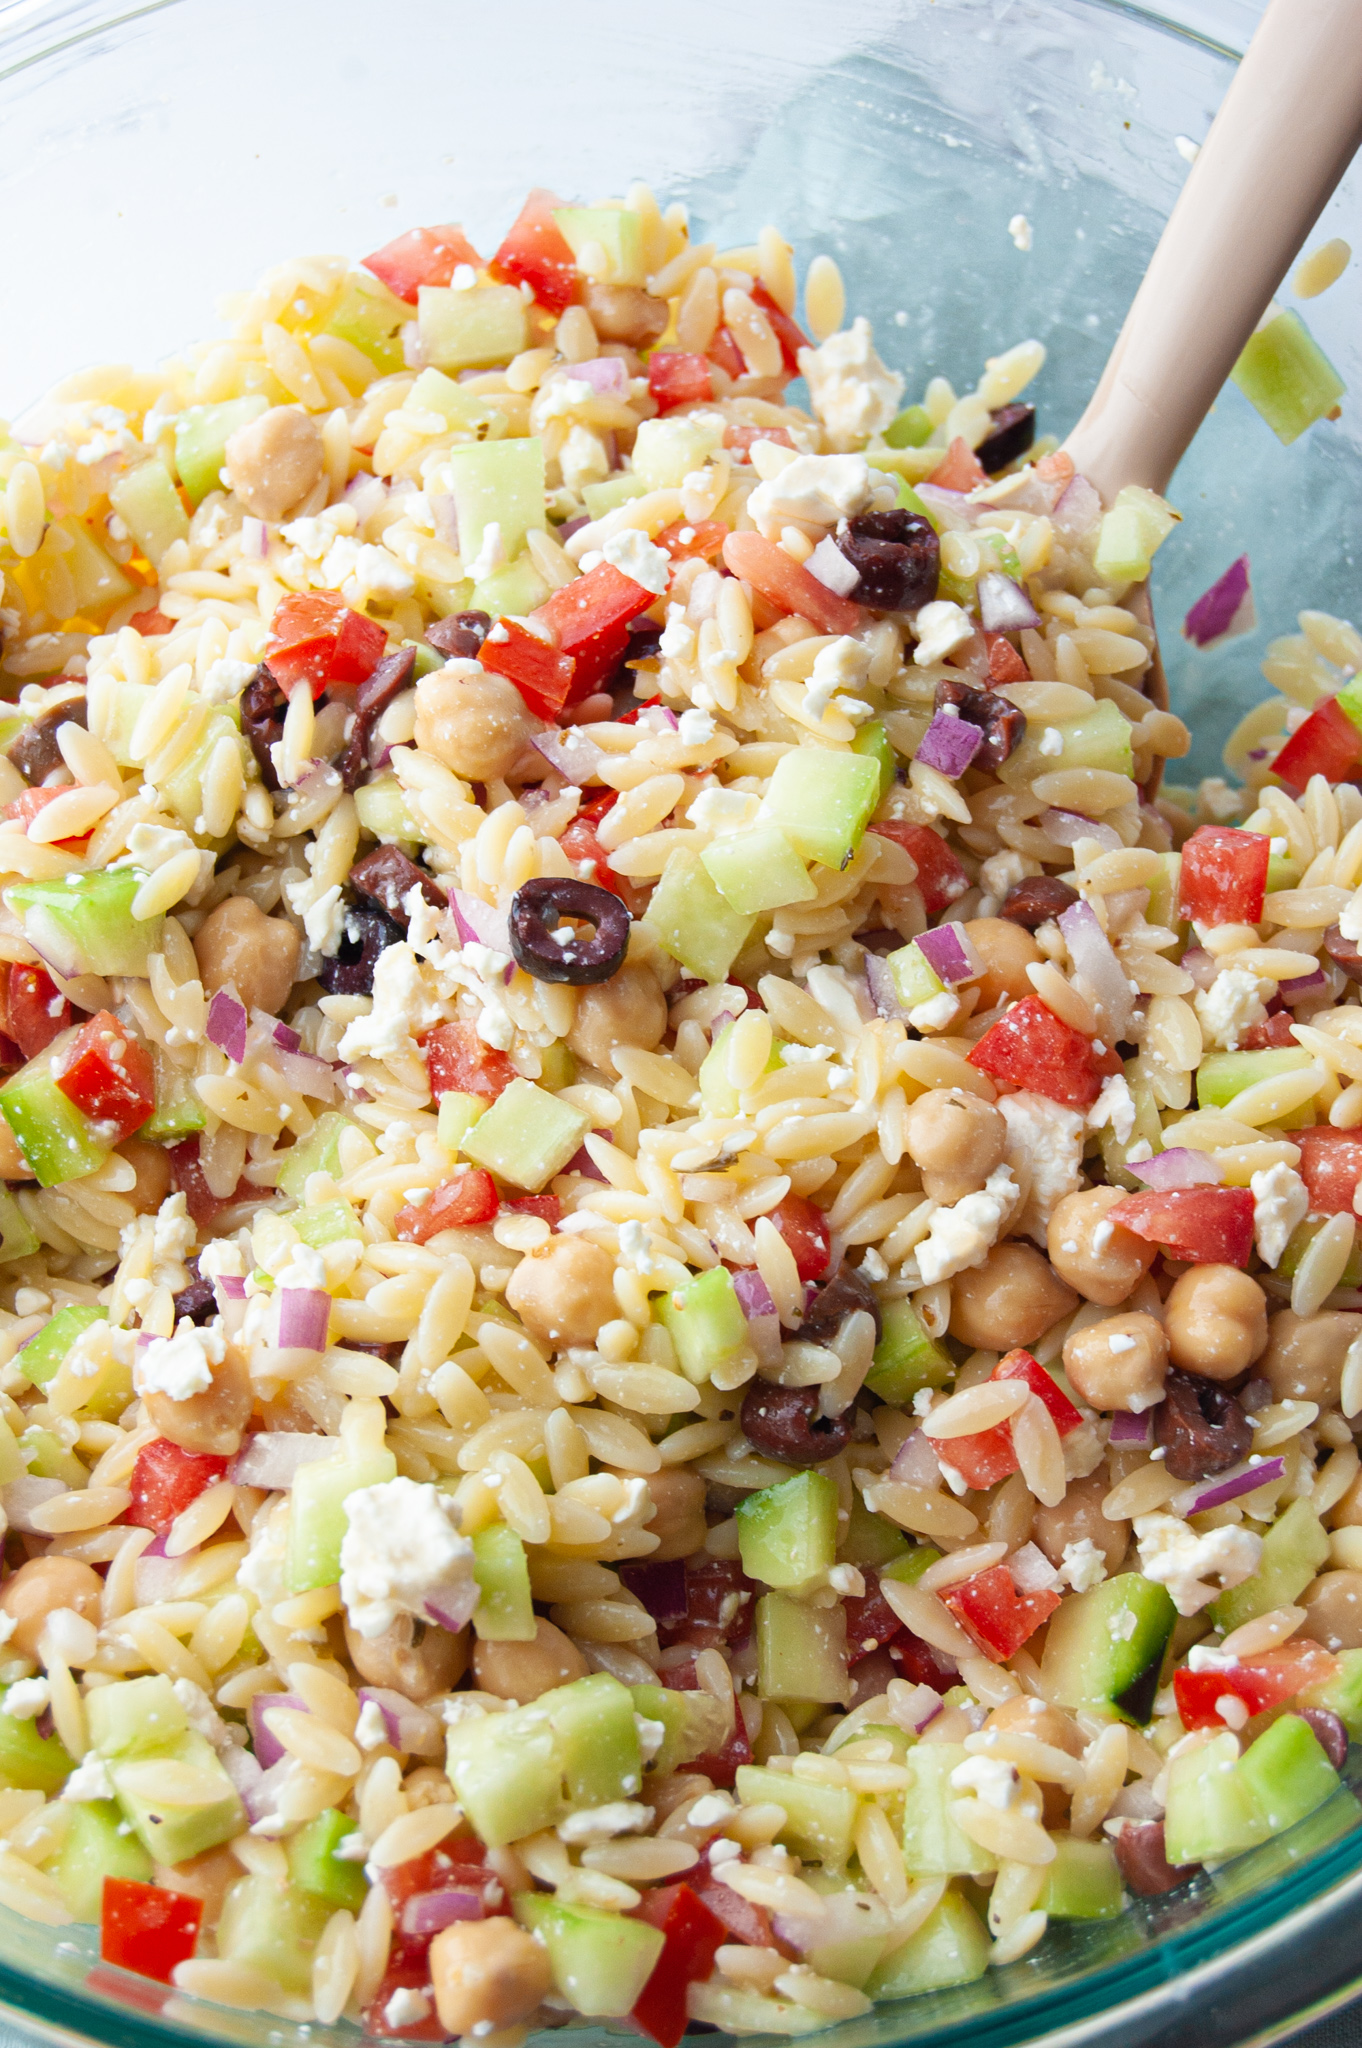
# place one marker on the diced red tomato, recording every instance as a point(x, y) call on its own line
point(725, 354)
point(1264, 1681)
point(677, 378)
point(997, 1616)
point(1057, 468)
point(745, 1922)
point(166, 1479)
point(1029, 1047)
point(315, 638)
point(871, 1621)
point(469, 1196)
point(108, 1073)
point(1020, 1365)
point(779, 577)
point(150, 623)
point(407, 1970)
point(920, 1664)
point(421, 256)
point(961, 470)
point(536, 252)
point(36, 1012)
point(1206, 1226)
point(1276, 1030)
point(787, 331)
point(584, 850)
point(23, 809)
point(460, 1862)
point(1005, 665)
point(740, 440)
point(187, 1178)
point(1331, 1167)
point(806, 1231)
point(543, 676)
point(547, 1207)
point(719, 1598)
point(720, 1765)
point(147, 1929)
point(940, 876)
point(459, 1063)
point(1327, 744)
point(693, 1937)
point(590, 620)
point(989, 1454)
point(706, 539)
point(1223, 876)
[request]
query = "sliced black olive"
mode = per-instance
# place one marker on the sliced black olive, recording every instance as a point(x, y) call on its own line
point(897, 557)
point(367, 933)
point(460, 636)
point(35, 752)
point(378, 690)
point(1011, 433)
point(387, 876)
point(538, 907)
point(263, 708)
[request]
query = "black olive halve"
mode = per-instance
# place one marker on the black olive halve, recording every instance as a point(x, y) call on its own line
point(536, 923)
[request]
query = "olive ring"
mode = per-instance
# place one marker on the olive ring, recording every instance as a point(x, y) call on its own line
point(579, 958)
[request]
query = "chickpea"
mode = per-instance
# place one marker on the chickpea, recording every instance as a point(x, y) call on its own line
point(629, 1009)
point(273, 462)
point(211, 1422)
point(1118, 1363)
point(39, 1588)
point(1007, 950)
point(956, 1139)
point(151, 1164)
point(1025, 1715)
point(564, 1291)
point(1104, 1261)
point(1216, 1318)
point(473, 721)
point(487, 1974)
point(678, 1515)
point(1011, 1299)
point(521, 1671)
point(1347, 1513)
point(410, 1657)
point(208, 1877)
point(1305, 1354)
point(1079, 1514)
point(258, 955)
point(1333, 1610)
point(623, 312)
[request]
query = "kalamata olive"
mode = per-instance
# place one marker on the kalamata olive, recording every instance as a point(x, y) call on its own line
point(460, 636)
point(263, 707)
point(387, 876)
point(1344, 953)
point(1144, 1865)
point(1034, 900)
point(1202, 1429)
point(1011, 433)
point(837, 1299)
point(350, 970)
point(197, 1301)
point(1328, 1731)
point(1002, 725)
point(1274, 1030)
point(897, 556)
point(784, 1423)
point(551, 950)
point(391, 677)
point(35, 752)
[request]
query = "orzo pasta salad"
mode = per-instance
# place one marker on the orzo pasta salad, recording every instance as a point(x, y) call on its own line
point(680, 1300)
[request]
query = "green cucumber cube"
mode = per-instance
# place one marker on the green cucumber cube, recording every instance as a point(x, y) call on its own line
point(317, 1518)
point(96, 1845)
point(1100, 739)
point(1286, 1772)
point(593, 1719)
point(801, 1652)
point(870, 1538)
point(1105, 1647)
point(912, 428)
point(874, 742)
point(613, 490)
point(18, 1238)
point(179, 1107)
point(457, 1116)
point(371, 319)
point(906, 1359)
point(1343, 1694)
point(618, 231)
point(705, 1322)
point(1294, 1549)
point(505, 1609)
point(1211, 1814)
point(507, 1771)
point(910, 1567)
point(328, 1223)
point(758, 870)
point(183, 790)
point(135, 1718)
point(315, 1867)
point(172, 1834)
point(1223, 1075)
point(527, 1136)
point(666, 451)
point(30, 1762)
point(601, 1961)
point(84, 923)
point(382, 809)
point(149, 506)
point(57, 1139)
point(718, 1096)
point(915, 979)
point(201, 437)
point(272, 1928)
point(934, 1845)
point(787, 1534)
point(41, 1358)
point(318, 1152)
point(823, 801)
point(513, 591)
point(471, 330)
point(501, 481)
point(691, 920)
point(1131, 534)
point(463, 409)
point(694, 1724)
point(820, 1820)
point(1083, 1882)
point(1286, 376)
point(950, 1947)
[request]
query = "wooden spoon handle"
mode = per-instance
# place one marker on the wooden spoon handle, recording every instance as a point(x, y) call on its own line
point(1289, 126)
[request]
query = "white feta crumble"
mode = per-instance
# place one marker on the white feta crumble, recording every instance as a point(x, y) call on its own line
point(854, 394)
point(1280, 1202)
point(89, 1780)
point(817, 490)
point(710, 1810)
point(723, 1849)
point(1175, 1556)
point(721, 810)
point(179, 1366)
point(1083, 1565)
point(491, 553)
point(1350, 920)
point(1120, 1343)
point(651, 1736)
point(324, 922)
point(600, 1823)
point(936, 1013)
point(1045, 1152)
point(636, 1246)
point(359, 570)
point(1211, 1657)
point(695, 728)
point(1051, 742)
point(401, 1008)
point(583, 457)
point(402, 1553)
point(1231, 1004)
point(843, 664)
point(633, 554)
point(830, 567)
point(873, 1265)
point(371, 1730)
point(1019, 227)
point(965, 1232)
point(1115, 1105)
point(151, 846)
point(27, 1698)
point(940, 627)
point(225, 680)
point(677, 642)
point(405, 2008)
point(996, 1783)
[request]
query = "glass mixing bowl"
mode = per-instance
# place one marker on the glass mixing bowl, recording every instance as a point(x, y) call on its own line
point(154, 157)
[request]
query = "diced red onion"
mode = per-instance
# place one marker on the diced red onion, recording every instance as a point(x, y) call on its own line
point(583, 1163)
point(575, 757)
point(660, 718)
point(229, 1287)
point(950, 744)
point(156, 1576)
point(949, 952)
point(308, 1076)
point(916, 1463)
point(754, 1296)
point(284, 1035)
point(478, 924)
point(22, 1496)
point(304, 1313)
point(410, 1728)
point(259, 1798)
point(428, 1912)
point(606, 375)
point(661, 1588)
point(1066, 828)
point(1090, 950)
point(243, 1770)
point(1004, 606)
point(951, 509)
point(1127, 1429)
point(1293, 992)
point(268, 1748)
point(1201, 965)
point(1225, 610)
point(830, 567)
point(1198, 1499)
point(1031, 1570)
point(883, 994)
point(271, 1458)
point(1079, 507)
point(226, 1026)
point(1181, 1166)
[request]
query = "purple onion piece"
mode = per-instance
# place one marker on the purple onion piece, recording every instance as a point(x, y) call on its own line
point(452, 1607)
point(477, 924)
point(1092, 956)
point(410, 1728)
point(883, 994)
point(949, 745)
point(1196, 1500)
point(571, 754)
point(1201, 965)
point(308, 1076)
point(1127, 1429)
point(271, 1459)
point(226, 1026)
point(1066, 828)
point(754, 1296)
point(1179, 1167)
point(304, 1314)
point(268, 1748)
point(258, 1799)
point(1293, 992)
point(1223, 611)
point(428, 1912)
point(606, 375)
point(1004, 606)
point(949, 953)
point(1079, 507)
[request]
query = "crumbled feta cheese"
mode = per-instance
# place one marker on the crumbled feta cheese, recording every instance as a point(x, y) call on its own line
point(1019, 227)
point(174, 1233)
point(225, 680)
point(816, 490)
point(1350, 920)
point(204, 1717)
point(1051, 742)
point(27, 1698)
point(636, 1246)
point(359, 570)
point(843, 664)
point(1084, 1565)
point(633, 554)
point(651, 1736)
point(151, 846)
point(179, 1366)
point(940, 627)
point(873, 1265)
point(490, 555)
point(1280, 1202)
point(1045, 1152)
point(678, 639)
point(710, 1810)
point(371, 1730)
point(324, 923)
point(1002, 871)
point(1231, 1004)
point(1174, 1555)
point(936, 1013)
point(990, 1779)
point(401, 1008)
point(557, 400)
point(89, 1780)
point(406, 2008)
point(583, 457)
point(695, 728)
point(721, 810)
point(830, 567)
point(965, 1232)
point(1211, 1657)
point(854, 394)
point(723, 1849)
point(600, 1823)
point(846, 1581)
point(1115, 1105)
point(402, 1554)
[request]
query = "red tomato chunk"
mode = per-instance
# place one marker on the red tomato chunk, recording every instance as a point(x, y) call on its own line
point(1029, 1047)
point(535, 252)
point(1224, 876)
point(1331, 1167)
point(316, 638)
point(23, 809)
point(675, 378)
point(165, 1480)
point(108, 1073)
point(989, 1454)
point(787, 331)
point(459, 1063)
point(1266, 1681)
point(693, 1937)
point(35, 1010)
point(685, 541)
point(147, 1929)
point(421, 256)
point(1327, 744)
point(543, 676)
point(469, 1196)
point(806, 1231)
point(961, 470)
point(590, 858)
point(778, 576)
point(997, 1616)
point(940, 877)
point(1206, 1226)
point(590, 621)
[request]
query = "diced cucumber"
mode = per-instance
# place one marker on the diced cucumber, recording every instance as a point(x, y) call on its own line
point(1131, 534)
point(906, 1359)
point(851, 1959)
point(718, 1096)
point(950, 1947)
point(787, 1534)
point(934, 1845)
point(666, 451)
point(1343, 1694)
point(201, 437)
point(1105, 1647)
point(45, 1456)
point(527, 1136)
point(315, 1867)
point(870, 1538)
point(434, 392)
point(457, 1116)
point(594, 1721)
point(96, 1845)
point(57, 1139)
point(819, 1819)
point(1286, 376)
point(149, 506)
point(371, 319)
point(317, 1519)
point(169, 1833)
point(601, 1961)
point(912, 428)
point(705, 1322)
point(823, 801)
point(691, 920)
point(1294, 1549)
point(179, 1106)
point(30, 1762)
point(505, 1609)
point(84, 923)
point(694, 1724)
point(18, 1238)
point(915, 979)
point(615, 229)
point(513, 591)
point(41, 1358)
point(558, 1067)
point(135, 1718)
point(472, 330)
point(603, 497)
point(1287, 1773)
point(68, 552)
point(758, 870)
point(575, 1746)
point(12, 1464)
point(381, 806)
point(318, 1152)
point(1083, 1882)
point(1223, 1075)
point(501, 481)
point(1211, 1815)
point(913, 1563)
point(1100, 739)
point(272, 1928)
point(328, 1223)
point(873, 741)
point(183, 790)
point(801, 1651)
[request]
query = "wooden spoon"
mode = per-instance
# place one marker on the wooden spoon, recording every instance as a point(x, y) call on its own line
point(1289, 126)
